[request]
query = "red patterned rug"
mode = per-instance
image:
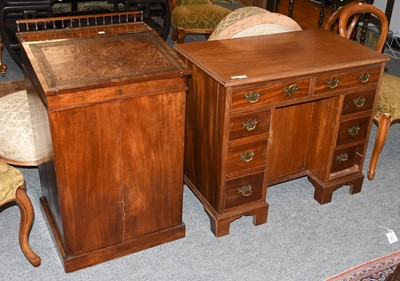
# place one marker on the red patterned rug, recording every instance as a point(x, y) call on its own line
point(377, 269)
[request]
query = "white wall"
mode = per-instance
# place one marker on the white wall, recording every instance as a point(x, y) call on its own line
point(395, 21)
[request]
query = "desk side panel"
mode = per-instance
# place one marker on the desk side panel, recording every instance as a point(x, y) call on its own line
point(205, 109)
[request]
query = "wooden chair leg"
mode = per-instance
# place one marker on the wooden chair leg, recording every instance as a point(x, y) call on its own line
point(383, 128)
point(3, 67)
point(26, 208)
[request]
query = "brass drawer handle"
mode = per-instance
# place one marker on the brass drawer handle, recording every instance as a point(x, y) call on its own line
point(252, 97)
point(364, 77)
point(359, 102)
point(250, 125)
point(245, 190)
point(291, 90)
point(353, 131)
point(333, 83)
point(342, 157)
point(247, 156)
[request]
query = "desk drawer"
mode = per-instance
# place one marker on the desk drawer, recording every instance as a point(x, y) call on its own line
point(359, 102)
point(353, 130)
point(248, 125)
point(346, 158)
point(243, 190)
point(346, 80)
point(271, 93)
point(246, 156)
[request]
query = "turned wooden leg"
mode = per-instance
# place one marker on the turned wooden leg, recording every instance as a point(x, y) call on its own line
point(25, 206)
point(3, 67)
point(383, 128)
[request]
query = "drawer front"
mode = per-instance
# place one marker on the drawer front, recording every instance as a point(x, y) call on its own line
point(271, 93)
point(346, 80)
point(344, 159)
point(244, 190)
point(359, 102)
point(353, 130)
point(246, 156)
point(248, 125)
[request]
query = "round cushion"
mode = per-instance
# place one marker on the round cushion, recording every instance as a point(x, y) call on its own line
point(389, 97)
point(10, 180)
point(16, 135)
point(198, 16)
point(248, 21)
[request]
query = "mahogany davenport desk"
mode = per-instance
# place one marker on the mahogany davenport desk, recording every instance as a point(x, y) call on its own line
point(108, 110)
point(267, 109)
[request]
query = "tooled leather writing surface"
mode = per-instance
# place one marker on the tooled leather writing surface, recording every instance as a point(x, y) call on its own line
point(89, 61)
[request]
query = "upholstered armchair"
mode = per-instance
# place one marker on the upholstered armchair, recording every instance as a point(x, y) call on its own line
point(12, 188)
point(345, 21)
point(16, 135)
point(252, 21)
point(195, 17)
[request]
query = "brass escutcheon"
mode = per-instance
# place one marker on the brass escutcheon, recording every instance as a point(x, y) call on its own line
point(342, 157)
point(247, 156)
point(252, 97)
point(364, 77)
point(333, 83)
point(353, 130)
point(250, 125)
point(245, 190)
point(359, 102)
point(291, 90)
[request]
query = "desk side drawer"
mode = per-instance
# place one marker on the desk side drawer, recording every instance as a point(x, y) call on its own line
point(244, 190)
point(248, 125)
point(246, 156)
point(359, 102)
point(345, 80)
point(353, 130)
point(270, 93)
point(346, 158)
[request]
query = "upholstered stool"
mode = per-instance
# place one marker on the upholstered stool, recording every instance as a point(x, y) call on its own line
point(16, 135)
point(252, 21)
point(387, 112)
point(195, 17)
point(12, 186)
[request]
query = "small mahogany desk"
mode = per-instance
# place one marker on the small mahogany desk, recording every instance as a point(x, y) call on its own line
point(108, 110)
point(267, 109)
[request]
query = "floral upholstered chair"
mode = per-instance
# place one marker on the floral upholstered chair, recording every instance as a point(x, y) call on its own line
point(16, 136)
point(12, 188)
point(252, 21)
point(195, 17)
point(3, 67)
point(345, 21)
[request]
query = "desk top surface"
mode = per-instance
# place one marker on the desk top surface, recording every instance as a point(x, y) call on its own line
point(276, 56)
point(99, 56)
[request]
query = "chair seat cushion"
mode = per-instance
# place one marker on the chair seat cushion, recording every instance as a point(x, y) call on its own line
point(389, 97)
point(198, 16)
point(10, 180)
point(16, 136)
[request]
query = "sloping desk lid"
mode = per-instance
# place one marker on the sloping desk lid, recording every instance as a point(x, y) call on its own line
point(74, 63)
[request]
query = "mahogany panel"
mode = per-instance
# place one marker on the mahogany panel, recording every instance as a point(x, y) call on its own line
point(86, 154)
point(203, 135)
point(152, 162)
point(290, 128)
